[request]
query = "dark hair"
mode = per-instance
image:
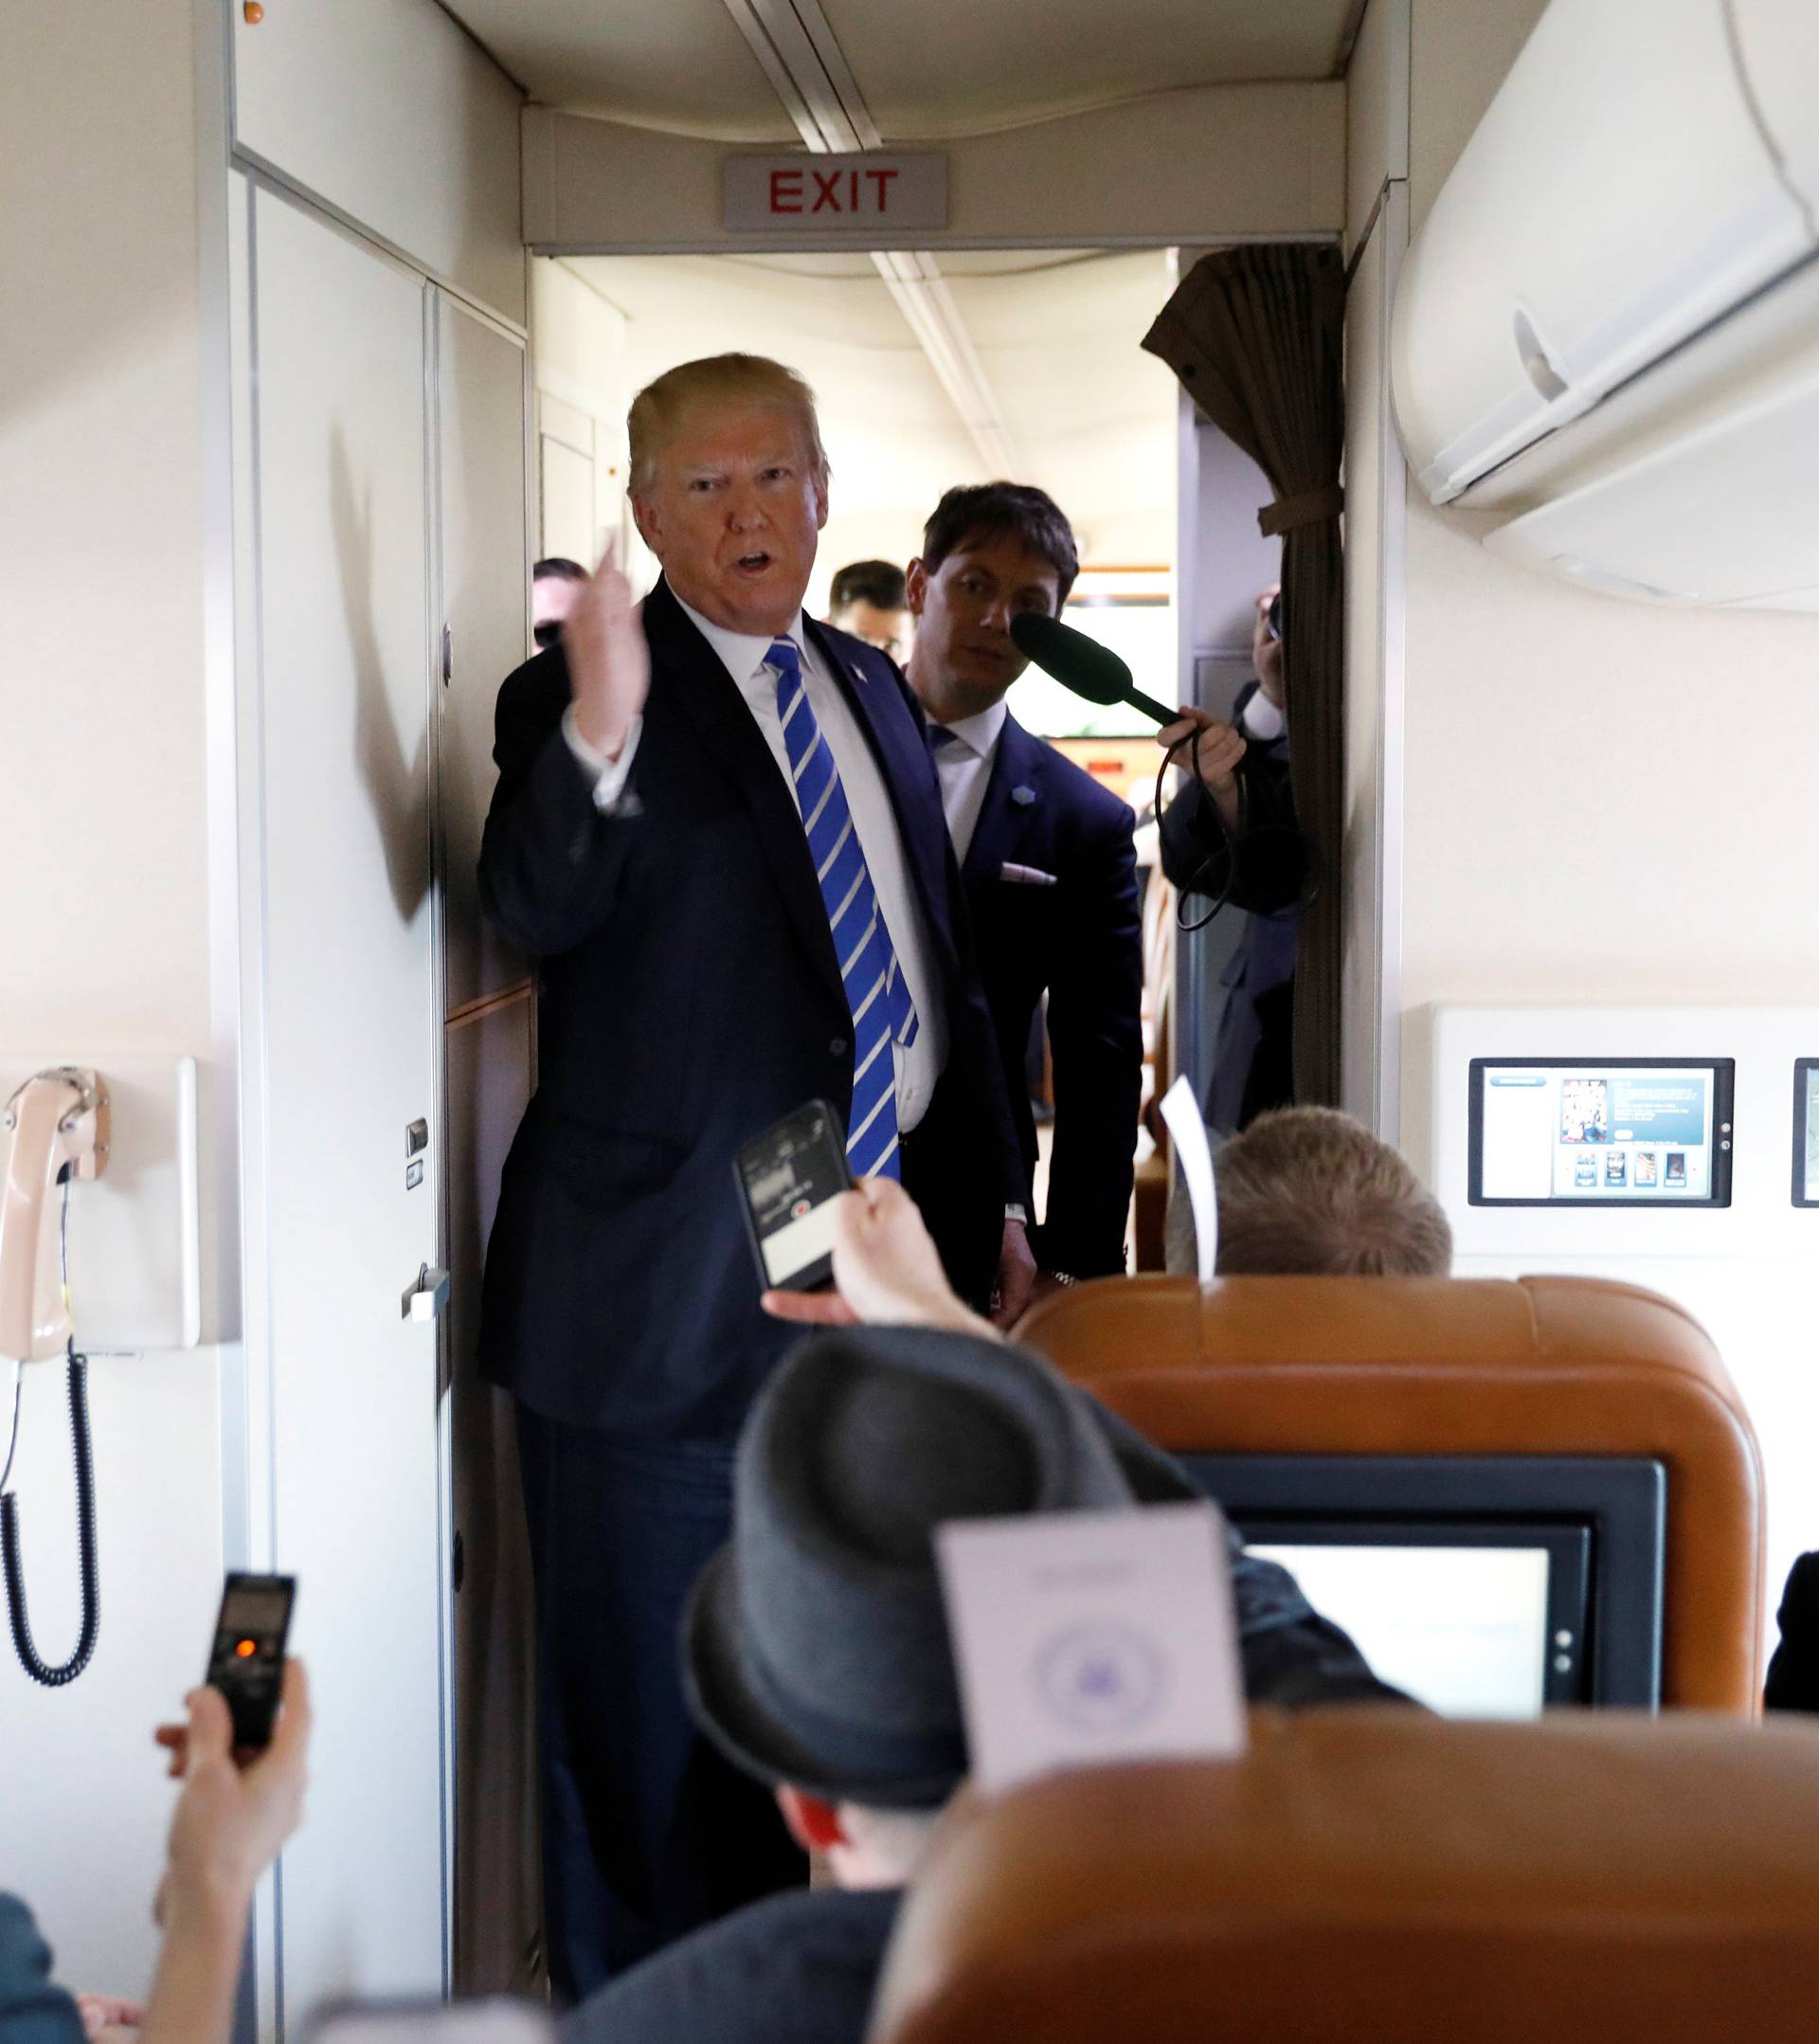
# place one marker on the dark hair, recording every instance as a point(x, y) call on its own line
point(1003, 511)
point(877, 583)
point(1309, 1191)
point(560, 569)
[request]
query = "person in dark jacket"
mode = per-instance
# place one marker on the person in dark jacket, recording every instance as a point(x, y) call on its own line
point(815, 1648)
point(1793, 1669)
point(1231, 835)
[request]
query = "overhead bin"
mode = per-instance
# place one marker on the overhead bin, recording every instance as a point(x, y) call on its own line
point(1608, 326)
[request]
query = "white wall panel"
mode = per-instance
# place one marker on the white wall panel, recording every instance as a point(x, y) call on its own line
point(106, 894)
point(386, 111)
point(351, 1059)
point(484, 576)
point(1376, 112)
point(1376, 518)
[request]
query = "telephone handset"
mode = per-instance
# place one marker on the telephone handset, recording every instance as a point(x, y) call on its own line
point(54, 1129)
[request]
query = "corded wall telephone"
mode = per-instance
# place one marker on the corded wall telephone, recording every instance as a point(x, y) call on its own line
point(55, 1129)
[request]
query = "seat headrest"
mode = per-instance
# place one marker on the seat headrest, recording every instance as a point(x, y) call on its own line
point(1452, 1366)
point(1373, 1876)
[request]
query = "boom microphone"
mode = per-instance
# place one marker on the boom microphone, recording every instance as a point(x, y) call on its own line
point(1082, 664)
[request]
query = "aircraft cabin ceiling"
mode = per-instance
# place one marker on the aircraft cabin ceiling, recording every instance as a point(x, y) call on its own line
point(927, 71)
point(1081, 410)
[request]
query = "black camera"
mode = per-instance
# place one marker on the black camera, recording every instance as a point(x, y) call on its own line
point(1273, 616)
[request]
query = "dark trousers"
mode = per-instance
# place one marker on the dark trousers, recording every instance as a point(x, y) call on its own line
point(647, 1832)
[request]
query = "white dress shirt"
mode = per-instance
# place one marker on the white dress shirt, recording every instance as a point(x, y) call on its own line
point(964, 765)
point(744, 658)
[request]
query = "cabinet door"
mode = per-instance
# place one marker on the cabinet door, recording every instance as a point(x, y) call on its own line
point(481, 398)
point(346, 675)
point(491, 1017)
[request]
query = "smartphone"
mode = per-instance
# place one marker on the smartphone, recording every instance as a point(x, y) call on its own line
point(787, 1178)
point(247, 1663)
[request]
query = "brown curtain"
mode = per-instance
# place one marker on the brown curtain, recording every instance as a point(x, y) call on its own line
point(1255, 336)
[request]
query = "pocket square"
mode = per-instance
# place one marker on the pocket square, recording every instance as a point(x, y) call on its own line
point(1014, 875)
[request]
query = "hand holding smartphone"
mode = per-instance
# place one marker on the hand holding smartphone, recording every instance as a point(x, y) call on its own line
point(789, 1178)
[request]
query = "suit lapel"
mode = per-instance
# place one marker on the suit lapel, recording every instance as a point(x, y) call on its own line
point(697, 683)
point(1014, 797)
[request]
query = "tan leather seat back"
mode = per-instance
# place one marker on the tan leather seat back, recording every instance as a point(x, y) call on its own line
point(1453, 1366)
point(1373, 1876)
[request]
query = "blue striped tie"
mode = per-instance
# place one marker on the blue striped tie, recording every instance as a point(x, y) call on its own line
point(875, 992)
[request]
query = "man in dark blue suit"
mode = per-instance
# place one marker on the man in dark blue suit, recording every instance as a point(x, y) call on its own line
point(1046, 856)
point(719, 828)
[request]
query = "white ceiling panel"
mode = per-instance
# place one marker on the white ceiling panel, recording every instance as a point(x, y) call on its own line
point(928, 70)
point(940, 69)
point(1057, 336)
point(894, 440)
point(679, 66)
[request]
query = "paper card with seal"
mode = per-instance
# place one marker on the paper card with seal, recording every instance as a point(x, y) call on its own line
point(1083, 1639)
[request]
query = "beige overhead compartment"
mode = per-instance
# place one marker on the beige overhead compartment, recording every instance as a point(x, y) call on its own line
point(1607, 328)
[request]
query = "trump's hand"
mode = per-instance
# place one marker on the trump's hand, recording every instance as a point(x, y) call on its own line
point(609, 664)
point(1215, 751)
point(887, 1271)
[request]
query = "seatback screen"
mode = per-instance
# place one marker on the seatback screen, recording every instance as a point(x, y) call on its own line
point(1617, 1132)
point(1806, 1132)
point(1463, 1630)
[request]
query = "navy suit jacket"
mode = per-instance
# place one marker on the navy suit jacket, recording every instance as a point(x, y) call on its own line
point(1080, 941)
point(691, 997)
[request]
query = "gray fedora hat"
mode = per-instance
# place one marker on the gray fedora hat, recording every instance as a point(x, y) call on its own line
point(814, 1645)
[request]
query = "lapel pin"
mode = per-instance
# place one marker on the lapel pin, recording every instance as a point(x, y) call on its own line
point(1023, 796)
point(858, 672)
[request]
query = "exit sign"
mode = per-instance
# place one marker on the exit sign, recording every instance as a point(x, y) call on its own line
point(835, 194)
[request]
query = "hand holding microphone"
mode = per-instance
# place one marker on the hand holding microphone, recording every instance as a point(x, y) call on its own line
point(1095, 672)
point(609, 664)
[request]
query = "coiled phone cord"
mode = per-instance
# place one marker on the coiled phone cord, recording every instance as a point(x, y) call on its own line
point(30, 1660)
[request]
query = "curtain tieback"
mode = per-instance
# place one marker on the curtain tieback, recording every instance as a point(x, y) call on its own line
point(1307, 507)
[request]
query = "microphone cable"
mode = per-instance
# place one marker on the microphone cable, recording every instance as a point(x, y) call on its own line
point(1314, 879)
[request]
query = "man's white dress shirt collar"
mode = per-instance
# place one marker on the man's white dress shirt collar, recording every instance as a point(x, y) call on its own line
point(980, 734)
point(963, 767)
point(740, 653)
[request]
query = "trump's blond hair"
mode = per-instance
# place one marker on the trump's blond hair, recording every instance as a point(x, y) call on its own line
point(716, 383)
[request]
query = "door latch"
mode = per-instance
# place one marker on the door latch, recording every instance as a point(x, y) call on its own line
point(425, 1298)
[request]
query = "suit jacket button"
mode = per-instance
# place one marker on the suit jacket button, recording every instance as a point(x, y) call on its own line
point(836, 1048)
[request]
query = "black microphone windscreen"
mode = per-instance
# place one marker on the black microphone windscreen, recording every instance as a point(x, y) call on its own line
point(1072, 659)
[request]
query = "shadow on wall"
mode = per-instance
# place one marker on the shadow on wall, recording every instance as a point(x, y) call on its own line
point(398, 790)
